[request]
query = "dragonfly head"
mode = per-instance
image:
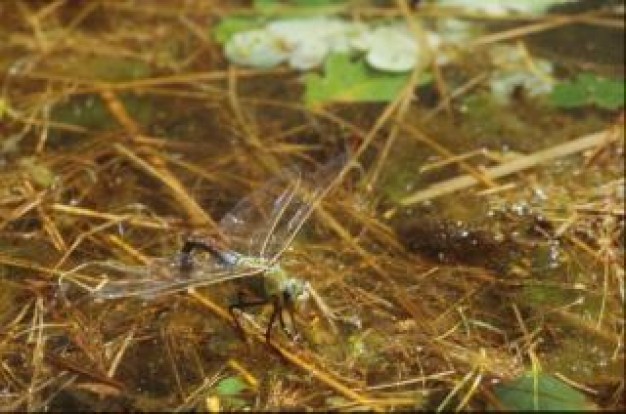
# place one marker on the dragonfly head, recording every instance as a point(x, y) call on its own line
point(296, 292)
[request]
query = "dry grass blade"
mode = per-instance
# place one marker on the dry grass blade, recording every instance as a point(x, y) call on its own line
point(519, 164)
point(156, 167)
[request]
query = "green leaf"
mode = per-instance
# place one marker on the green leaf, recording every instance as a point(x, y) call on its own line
point(589, 89)
point(543, 392)
point(347, 80)
point(586, 80)
point(230, 386)
point(234, 24)
point(566, 95)
point(299, 7)
point(610, 94)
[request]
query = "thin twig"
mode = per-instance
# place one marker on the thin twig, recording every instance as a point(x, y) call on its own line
point(514, 166)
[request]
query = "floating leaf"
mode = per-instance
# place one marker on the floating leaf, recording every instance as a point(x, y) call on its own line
point(543, 392)
point(388, 48)
point(567, 95)
point(229, 390)
point(299, 7)
point(230, 386)
point(589, 89)
point(609, 94)
point(345, 80)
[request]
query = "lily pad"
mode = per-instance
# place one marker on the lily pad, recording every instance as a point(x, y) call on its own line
point(229, 391)
point(541, 392)
point(347, 80)
point(589, 89)
point(299, 7)
point(230, 386)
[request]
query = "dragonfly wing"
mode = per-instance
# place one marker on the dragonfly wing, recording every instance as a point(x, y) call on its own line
point(247, 225)
point(163, 276)
point(262, 225)
point(299, 207)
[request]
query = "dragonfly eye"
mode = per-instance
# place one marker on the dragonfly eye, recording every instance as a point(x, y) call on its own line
point(296, 291)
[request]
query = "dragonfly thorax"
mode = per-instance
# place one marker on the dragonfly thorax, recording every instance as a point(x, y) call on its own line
point(276, 281)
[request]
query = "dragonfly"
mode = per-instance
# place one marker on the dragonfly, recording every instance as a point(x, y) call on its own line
point(254, 235)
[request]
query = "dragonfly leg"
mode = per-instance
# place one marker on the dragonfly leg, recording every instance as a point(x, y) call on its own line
point(277, 313)
point(281, 320)
point(294, 334)
point(240, 304)
point(277, 310)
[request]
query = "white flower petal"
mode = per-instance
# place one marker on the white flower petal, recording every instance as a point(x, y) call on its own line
point(392, 49)
point(256, 48)
point(308, 54)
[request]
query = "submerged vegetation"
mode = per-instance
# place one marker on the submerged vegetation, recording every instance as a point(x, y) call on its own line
point(467, 256)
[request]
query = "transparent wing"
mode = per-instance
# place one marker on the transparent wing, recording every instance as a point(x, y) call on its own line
point(164, 276)
point(299, 207)
point(264, 223)
point(247, 225)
